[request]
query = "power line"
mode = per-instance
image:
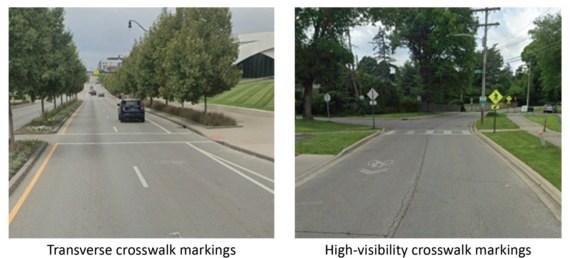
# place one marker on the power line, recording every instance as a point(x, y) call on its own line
point(525, 26)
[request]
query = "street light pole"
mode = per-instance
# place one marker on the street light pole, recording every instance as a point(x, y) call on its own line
point(137, 24)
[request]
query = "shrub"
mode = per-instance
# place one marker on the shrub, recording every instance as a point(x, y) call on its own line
point(208, 119)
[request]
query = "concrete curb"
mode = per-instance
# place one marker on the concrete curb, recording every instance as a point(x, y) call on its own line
point(552, 191)
point(17, 179)
point(311, 173)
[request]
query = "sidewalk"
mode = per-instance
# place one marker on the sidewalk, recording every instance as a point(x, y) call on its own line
point(533, 128)
point(256, 133)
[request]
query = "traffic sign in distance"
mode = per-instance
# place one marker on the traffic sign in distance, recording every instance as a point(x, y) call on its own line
point(496, 96)
point(478, 71)
point(373, 103)
point(509, 100)
point(96, 72)
point(372, 94)
point(327, 97)
point(496, 107)
point(482, 100)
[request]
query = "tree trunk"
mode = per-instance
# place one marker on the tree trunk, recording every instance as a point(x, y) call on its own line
point(205, 104)
point(356, 93)
point(308, 101)
point(43, 111)
point(12, 136)
point(54, 102)
point(151, 101)
point(61, 98)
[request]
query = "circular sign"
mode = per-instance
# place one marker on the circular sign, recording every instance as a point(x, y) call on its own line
point(361, 98)
point(96, 72)
point(327, 97)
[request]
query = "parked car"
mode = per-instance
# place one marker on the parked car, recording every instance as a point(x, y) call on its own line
point(549, 108)
point(130, 109)
point(101, 94)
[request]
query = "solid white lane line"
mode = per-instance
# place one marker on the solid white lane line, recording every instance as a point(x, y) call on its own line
point(141, 178)
point(159, 126)
point(115, 129)
point(266, 178)
point(237, 172)
point(112, 143)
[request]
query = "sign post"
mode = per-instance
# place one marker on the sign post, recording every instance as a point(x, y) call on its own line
point(327, 99)
point(372, 94)
point(495, 97)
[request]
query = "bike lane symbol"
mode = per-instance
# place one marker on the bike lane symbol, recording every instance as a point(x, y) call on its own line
point(378, 165)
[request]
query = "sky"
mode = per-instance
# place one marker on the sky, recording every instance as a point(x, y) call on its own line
point(513, 28)
point(103, 32)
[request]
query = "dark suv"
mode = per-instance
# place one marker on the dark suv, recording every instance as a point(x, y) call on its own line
point(130, 109)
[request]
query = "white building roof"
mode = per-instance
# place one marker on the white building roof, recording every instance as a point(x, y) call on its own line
point(254, 43)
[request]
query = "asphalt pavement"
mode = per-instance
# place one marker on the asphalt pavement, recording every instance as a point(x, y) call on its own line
point(99, 177)
point(429, 178)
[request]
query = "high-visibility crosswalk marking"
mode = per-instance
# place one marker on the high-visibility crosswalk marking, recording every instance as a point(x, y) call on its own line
point(429, 132)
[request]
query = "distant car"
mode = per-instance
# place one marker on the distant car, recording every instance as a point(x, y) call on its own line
point(549, 108)
point(93, 92)
point(130, 109)
point(101, 94)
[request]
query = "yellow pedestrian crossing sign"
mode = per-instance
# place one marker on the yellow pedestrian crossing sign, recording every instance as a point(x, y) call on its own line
point(496, 96)
point(496, 107)
point(96, 72)
point(509, 100)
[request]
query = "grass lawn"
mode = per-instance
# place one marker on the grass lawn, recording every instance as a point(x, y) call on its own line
point(325, 126)
point(330, 143)
point(329, 138)
point(249, 93)
point(528, 149)
point(502, 122)
point(551, 122)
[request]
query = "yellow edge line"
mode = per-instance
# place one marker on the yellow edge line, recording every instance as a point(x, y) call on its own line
point(30, 186)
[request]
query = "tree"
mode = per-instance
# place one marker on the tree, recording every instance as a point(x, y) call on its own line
point(215, 50)
point(28, 46)
point(547, 50)
point(319, 51)
point(445, 61)
point(383, 53)
point(408, 79)
point(369, 65)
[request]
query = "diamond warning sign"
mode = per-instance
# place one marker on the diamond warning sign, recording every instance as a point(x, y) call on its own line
point(496, 96)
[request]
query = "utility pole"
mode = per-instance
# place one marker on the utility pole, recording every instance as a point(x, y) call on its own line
point(528, 90)
point(486, 24)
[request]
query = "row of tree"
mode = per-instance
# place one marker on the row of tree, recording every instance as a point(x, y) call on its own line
point(441, 43)
point(187, 55)
point(43, 62)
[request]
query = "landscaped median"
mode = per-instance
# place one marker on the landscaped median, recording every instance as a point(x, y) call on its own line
point(54, 119)
point(23, 150)
point(328, 138)
point(526, 147)
point(206, 119)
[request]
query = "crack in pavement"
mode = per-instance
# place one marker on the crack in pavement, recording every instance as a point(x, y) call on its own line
point(407, 199)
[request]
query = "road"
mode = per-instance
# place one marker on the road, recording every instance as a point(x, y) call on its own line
point(428, 178)
point(104, 178)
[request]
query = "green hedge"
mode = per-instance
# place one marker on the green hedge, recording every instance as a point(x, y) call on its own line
point(57, 115)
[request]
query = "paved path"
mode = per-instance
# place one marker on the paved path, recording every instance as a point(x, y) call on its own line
point(533, 128)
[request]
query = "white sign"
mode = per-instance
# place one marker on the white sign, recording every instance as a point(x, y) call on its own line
point(373, 103)
point(327, 97)
point(372, 94)
point(524, 108)
point(419, 98)
point(471, 100)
